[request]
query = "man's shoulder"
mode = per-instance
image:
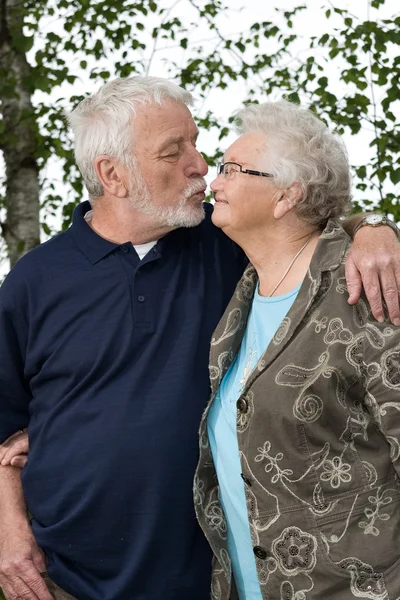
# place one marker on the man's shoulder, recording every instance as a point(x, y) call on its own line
point(30, 266)
point(45, 251)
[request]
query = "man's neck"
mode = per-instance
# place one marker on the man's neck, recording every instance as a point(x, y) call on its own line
point(119, 223)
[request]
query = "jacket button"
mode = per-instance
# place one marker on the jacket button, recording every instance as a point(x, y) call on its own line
point(242, 405)
point(260, 552)
point(245, 479)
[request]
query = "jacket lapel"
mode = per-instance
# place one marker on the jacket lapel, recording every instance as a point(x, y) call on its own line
point(229, 333)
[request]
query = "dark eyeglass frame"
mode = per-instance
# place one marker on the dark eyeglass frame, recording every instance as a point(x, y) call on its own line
point(221, 166)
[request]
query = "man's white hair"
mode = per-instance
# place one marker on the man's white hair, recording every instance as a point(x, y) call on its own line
point(300, 147)
point(101, 123)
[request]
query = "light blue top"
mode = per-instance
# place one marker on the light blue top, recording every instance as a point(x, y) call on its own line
point(265, 316)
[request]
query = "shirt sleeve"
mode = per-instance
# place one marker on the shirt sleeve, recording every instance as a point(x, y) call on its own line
point(382, 382)
point(14, 390)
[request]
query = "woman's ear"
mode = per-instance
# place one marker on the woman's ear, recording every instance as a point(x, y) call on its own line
point(287, 200)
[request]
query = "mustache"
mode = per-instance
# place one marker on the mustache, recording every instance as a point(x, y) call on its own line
point(195, 186)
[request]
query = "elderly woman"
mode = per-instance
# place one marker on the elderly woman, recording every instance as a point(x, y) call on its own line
point(303, 425)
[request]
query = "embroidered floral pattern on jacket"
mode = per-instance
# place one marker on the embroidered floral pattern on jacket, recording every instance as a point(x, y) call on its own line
point(335, 471)
point(295, 551)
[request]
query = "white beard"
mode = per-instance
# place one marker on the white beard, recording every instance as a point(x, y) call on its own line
point(181, 215)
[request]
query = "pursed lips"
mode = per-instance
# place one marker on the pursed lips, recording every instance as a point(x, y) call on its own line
point(202, 191)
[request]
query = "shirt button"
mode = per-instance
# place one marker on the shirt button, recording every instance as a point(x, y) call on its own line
point(242, 405)
point(260, 552)
point(141, 298)
point(125, 249)
point(245, 479)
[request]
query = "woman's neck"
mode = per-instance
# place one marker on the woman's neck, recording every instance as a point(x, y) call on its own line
point(281, 259)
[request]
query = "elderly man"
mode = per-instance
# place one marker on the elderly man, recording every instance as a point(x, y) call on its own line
point(104, 338)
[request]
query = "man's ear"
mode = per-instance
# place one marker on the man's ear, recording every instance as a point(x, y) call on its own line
point(287, 200)
point(112, 176)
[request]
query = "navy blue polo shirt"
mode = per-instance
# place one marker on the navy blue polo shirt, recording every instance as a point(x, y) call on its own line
point(106, 357)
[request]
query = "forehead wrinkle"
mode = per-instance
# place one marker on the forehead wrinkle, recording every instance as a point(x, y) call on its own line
point(177, 138)
point(157, 123)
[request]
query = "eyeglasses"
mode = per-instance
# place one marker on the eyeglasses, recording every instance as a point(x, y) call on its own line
point(229, 170)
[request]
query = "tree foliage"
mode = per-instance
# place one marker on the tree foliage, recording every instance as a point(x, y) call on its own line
point(366, 56)
point(48, 48)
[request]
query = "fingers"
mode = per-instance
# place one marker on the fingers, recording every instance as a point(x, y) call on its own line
point(19, 461)
point(372, 290)
point(377, 269)
point(376, 255)
point(353, 279)
point(39, 559)
point(390, 283)
point(15, 445)
point(377, 288)
point(371, 283)
point(381, 281)
point(17, 449)
point(23, 582)
point(18, 590)
point(37, 586)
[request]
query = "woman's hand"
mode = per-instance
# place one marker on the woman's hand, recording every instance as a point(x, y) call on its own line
point(14, 451)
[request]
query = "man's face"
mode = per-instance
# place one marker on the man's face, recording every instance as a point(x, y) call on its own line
point(168, 182)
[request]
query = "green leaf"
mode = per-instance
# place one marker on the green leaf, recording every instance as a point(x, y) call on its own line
point(22, 43)
point(395, 176)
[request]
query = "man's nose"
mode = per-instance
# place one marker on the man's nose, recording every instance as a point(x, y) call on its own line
point(198, 165)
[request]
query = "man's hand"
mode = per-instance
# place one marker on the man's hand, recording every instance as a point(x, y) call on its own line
point(14, 451)
point(374, 262)
point(21, 562)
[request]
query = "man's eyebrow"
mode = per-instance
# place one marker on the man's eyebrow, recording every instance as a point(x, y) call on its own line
point(174, 139)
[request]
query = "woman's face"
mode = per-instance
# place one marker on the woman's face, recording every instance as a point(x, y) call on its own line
point(244, 202)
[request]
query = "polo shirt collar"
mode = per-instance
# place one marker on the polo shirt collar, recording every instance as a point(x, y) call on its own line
point(92, 245)
point(95, 247)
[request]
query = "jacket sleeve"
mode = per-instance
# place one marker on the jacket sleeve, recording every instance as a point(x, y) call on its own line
point(381, 365)
point(14, 390)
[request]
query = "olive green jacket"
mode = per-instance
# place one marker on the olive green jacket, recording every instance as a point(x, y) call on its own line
point(318, 428)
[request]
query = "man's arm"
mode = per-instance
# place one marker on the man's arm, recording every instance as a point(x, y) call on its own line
point(374, 263)
point(21, 560)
